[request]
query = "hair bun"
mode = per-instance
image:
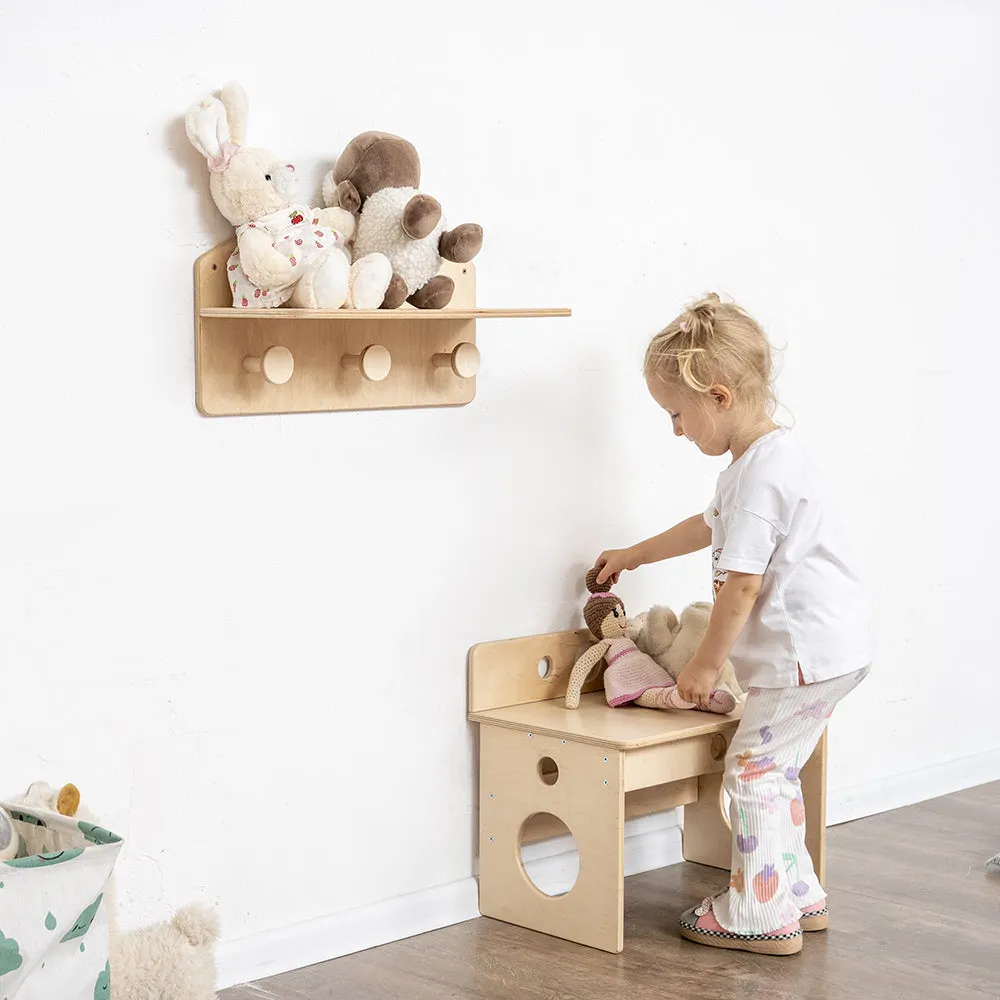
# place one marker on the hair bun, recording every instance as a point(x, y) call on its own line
point(699, 320)
point(593, 586)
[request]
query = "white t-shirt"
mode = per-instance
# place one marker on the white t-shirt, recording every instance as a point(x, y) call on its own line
point(770, 517)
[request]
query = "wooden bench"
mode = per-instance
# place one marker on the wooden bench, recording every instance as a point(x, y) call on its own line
point(592, 768)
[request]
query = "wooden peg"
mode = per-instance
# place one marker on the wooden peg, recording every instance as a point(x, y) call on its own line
point(374, 362)
point(463, 361)
point(276, 364)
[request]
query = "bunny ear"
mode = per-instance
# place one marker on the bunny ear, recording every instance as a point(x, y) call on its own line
point(237, 105)
point(208, 128)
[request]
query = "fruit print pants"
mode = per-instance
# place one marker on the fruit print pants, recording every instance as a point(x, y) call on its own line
point(772, 877)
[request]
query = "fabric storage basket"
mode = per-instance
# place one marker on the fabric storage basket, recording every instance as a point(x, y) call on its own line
point(53, 915)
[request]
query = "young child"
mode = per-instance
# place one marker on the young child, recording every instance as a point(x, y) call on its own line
point(790, 612)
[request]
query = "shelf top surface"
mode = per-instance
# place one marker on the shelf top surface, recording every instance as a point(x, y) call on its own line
point(380, 314)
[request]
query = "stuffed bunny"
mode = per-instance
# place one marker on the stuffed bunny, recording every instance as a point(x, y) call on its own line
point(286, 251)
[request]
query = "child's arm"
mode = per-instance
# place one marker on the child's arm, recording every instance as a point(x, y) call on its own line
point(732, 608)
point(688, 536)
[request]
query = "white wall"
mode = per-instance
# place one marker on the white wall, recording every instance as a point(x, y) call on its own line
point(214, 625)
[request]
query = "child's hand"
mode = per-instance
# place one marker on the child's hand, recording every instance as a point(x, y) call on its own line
point(611, 562)
point(696, 682)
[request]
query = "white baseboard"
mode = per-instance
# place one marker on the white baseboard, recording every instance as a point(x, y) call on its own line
point(650, 842)
point(873, 797)
point(272, 952)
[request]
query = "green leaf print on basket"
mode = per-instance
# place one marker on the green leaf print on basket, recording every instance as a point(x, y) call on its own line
point(799, 888)
point(84, 921)
point(10, 955)
point(103, 988)
point(97, 834)
point(45, 860)
point(30, 818)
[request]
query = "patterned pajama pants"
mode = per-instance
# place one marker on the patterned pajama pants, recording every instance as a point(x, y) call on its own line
point(772, 876)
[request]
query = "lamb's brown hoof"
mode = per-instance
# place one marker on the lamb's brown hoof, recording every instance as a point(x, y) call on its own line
point(395, 294)
point(462, 243)
point(421, 214)
point(348, 197)
point(436, 294)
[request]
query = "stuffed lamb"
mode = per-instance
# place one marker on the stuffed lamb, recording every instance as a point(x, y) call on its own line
point(286, 251)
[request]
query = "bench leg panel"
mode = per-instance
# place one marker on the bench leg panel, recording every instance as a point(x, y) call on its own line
point(586, 791)
point(708, 837)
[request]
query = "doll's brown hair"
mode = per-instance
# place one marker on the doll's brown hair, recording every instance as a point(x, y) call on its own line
point(600, 604)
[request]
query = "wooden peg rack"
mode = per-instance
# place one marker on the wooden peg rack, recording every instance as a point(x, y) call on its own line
point(252, 361)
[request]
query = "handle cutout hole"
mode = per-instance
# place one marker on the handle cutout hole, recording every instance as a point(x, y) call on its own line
point(548, 771)
point(545, 667)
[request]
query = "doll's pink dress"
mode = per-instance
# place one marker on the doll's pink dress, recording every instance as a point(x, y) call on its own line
point(631, 672)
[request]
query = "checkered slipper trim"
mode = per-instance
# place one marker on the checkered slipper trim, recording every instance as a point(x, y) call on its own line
point(689, 920)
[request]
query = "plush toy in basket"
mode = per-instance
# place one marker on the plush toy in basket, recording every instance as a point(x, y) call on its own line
point(633, 676)
point(286, 250)
point(171, 960)
point(54, 920)
point(378, 177)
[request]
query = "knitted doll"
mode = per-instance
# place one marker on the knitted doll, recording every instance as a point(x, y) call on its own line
point(632, 676)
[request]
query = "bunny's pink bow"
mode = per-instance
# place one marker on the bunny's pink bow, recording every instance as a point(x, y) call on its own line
point(220, 161)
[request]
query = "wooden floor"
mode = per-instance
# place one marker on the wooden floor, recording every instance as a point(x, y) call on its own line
point(915, 917)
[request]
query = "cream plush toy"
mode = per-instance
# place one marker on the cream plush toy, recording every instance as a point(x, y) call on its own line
point(672, 642)
point(378, 177)
point(286, 250)
point(172, 960)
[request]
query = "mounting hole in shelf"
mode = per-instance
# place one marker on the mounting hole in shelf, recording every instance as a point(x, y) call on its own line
point(545, 667)
point(215, 267)
point(553, 876)
point(548, 771)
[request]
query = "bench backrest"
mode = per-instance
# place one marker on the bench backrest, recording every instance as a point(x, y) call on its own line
point(521, 671)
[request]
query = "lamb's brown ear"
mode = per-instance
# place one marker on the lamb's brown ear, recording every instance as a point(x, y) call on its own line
point(68, 800)
point(348, 197)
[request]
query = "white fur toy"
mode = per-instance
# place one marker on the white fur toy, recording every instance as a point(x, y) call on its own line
point(672, 642)
point(173, 960)
point(286, 251)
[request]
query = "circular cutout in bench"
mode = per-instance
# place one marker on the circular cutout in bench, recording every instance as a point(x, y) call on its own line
point(548, 771)
point(549, 854)
point(545, 667)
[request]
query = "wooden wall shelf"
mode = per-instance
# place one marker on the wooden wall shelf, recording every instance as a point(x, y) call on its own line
point(256, 361)
point(404, 313)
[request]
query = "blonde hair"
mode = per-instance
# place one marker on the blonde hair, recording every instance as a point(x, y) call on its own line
point(716, 343)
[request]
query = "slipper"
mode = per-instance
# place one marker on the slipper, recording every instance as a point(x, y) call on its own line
point(699, 925)
point(815, 917)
